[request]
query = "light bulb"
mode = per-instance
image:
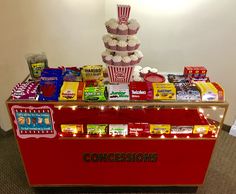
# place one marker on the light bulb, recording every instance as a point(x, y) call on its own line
point(102, 107)
point(73, 107)
point(213, 108)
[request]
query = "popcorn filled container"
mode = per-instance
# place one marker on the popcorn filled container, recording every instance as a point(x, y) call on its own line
point(120, 74)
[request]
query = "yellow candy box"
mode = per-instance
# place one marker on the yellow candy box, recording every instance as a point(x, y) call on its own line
point(159, 129)
point(164, 91)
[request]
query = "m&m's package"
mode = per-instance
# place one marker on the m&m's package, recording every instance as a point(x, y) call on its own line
point(50, 84)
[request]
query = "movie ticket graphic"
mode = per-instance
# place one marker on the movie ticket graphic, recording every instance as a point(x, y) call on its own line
point(33, 122)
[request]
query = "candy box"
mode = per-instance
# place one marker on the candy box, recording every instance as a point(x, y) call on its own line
point(140, 91)
point(80, 91)
point(201, 129)
point(188, 71)
point(92, 72)
point(185, 91)
point(220, 91)
point(69, 91)
point(138, 129)
point(72, 128)
point(208, 91)
point(95, 93)
point(118, 129)
point(195, 71)
point(164, 91)
point(118, 92)
point(181, 129)
point(159, 129)
point(203, 72)
point(97, 129)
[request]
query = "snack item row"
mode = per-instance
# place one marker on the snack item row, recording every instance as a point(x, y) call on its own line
point(114, 27)
point(117, 44)
point(132, 129)
point(116, 59)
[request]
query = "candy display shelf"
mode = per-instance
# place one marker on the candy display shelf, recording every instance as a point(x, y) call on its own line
point(177, 158)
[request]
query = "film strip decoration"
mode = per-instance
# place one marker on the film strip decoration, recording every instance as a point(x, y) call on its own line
point(33, 122)
point(123, 13)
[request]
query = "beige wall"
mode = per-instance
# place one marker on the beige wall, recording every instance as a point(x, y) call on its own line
point(69, 31)
point(173, 33)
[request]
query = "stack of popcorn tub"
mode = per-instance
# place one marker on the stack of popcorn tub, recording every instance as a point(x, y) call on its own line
point(121, 45)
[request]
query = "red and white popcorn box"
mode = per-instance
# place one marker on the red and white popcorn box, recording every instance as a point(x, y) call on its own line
point(120, 74)
point(123, 13)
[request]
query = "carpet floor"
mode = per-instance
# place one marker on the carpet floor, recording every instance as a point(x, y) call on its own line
point(221, 177)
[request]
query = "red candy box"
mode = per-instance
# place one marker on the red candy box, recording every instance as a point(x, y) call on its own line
point(140, 91)
point(138, 129)
point(195, 71)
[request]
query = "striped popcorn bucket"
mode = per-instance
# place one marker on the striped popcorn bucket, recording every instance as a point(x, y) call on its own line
point(120, 74)
point(123, 13)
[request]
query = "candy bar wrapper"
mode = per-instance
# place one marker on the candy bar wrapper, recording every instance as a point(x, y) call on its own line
point(118, 129)
point(72, 128)
point(138, 128)
point(92, 72)
point(123, 13)
point(95, 93)
point(97, 129)
point(69, 91)
point(181, 129)
point(159, 129)
point(118, 92)
point(201, 129)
